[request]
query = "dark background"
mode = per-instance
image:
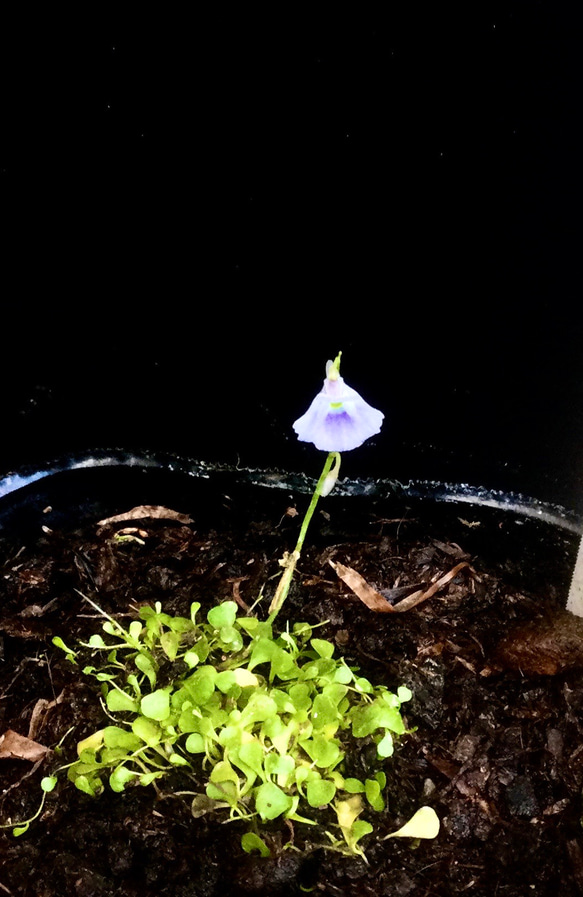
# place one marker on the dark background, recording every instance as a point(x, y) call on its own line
point(200, 210)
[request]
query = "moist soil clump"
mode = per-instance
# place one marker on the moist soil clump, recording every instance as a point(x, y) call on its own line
point(495, 743)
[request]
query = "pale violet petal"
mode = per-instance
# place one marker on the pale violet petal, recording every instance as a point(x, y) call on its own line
point(339, 419)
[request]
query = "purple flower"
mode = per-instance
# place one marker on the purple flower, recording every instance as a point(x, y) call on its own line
point(338, 419)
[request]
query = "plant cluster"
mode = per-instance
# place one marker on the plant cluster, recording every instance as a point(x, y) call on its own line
point(262, 720)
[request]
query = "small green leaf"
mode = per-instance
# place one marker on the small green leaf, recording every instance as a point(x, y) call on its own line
point(195, 743)
point(202, 649)
point(59, 643)
point(189, 720)
point(271, 801)
point(324, 713)
point(118, 701)
point(224, 783)
point(146, 666)
point(283, 700)
point(250, 842)
point(282, 767)
point(373, 794)
point(48, 783)
point(335, 692)
point(363, 685)
point(300, 695)
point(19, 830)
point(222, 615)
point(381, 779)
point(135, 629)
point(147, 730)
point(92, 743)
point(343, 674)
point(265, 650)
point(385, 746)
point(157, 704)
point(359, 829)
point(224, 772)
point(201, 684)
point(259, 707)
point(223, 792)
point(377, 715)
point(251, 755)
point(354, 786)
point(115, 737)
point(97, 642)
point(323, 648)
point(225, 681)
point(120, 777)
point(231, 638)
point(178, 760)
point(324, 753)
point(84, 784)
point(310, 670)
point(256, 628)
point(170, 642)
point(320, 792)
point(181, 624)
point(279, 733)
point(194, 609)
point(147, 778)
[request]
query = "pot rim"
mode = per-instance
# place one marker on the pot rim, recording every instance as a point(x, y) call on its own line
point(379, 488)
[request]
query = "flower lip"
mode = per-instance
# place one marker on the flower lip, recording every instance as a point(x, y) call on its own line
point(339, 419)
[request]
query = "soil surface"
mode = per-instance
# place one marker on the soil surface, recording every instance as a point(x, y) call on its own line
point(497, 707)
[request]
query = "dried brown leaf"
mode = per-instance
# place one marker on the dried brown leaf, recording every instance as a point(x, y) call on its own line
point(376, 602)
point(39, 713)
point(17, 747)
point(156, 512)
point(362, 589)
point(418, 597)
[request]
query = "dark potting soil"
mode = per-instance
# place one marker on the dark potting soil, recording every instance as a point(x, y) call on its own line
point(497, 746)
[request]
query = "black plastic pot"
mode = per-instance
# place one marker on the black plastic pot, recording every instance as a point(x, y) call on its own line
point(533, 543)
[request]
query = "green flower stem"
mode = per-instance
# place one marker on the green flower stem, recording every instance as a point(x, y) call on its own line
point(291, 560)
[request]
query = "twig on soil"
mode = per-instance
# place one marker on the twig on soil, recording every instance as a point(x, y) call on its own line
point(236, 582)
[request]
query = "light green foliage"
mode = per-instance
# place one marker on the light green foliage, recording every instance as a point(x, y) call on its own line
point(260, 722)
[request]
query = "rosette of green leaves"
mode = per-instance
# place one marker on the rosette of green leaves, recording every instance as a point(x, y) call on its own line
point(258, 721)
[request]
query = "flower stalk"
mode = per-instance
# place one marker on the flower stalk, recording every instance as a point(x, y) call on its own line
point(324, 486)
